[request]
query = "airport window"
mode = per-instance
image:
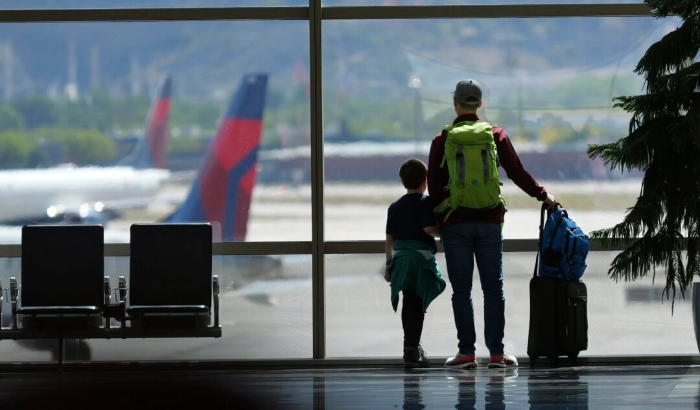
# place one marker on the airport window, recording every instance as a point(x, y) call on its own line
point(552, 94)
point(84, 106)
point(350, 91)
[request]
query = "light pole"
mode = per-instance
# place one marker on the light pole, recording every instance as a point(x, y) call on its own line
point(414, 83)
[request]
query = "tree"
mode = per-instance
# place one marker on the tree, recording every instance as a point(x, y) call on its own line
point(10, 119)
point(663, 142)
point(36, 111)
point(80, 146)
point(15, 149)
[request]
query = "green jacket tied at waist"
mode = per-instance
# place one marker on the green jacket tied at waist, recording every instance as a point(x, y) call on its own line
point(413, 266)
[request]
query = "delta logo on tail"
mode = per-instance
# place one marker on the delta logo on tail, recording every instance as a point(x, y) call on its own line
point(150, 152)
point(223, 189)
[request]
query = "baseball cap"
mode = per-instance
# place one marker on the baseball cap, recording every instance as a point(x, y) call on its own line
point(468, 92)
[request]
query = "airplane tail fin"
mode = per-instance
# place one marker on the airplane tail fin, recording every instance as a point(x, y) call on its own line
point(150, 151)
point(223, 189)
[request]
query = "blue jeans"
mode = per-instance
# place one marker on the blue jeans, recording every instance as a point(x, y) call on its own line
point(463, 242)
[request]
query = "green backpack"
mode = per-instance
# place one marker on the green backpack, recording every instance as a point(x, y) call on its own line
point(472, 163)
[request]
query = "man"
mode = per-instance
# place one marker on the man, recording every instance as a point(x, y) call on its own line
point(470, 234)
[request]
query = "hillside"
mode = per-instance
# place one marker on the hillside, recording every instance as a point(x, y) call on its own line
point(364, 55)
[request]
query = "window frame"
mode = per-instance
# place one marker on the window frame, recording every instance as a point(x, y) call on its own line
point(315, 14)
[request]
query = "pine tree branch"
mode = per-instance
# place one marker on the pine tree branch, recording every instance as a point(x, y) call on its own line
point(677, 87)
point(673, 52)
point(666, 8)
point(663, 142)
point(636, 151)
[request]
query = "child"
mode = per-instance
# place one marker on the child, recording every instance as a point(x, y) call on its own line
point(411, 267)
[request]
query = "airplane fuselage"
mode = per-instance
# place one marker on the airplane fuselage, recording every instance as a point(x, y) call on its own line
point(37, 193)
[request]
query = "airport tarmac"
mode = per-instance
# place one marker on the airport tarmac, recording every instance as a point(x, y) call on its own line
point(269, 316)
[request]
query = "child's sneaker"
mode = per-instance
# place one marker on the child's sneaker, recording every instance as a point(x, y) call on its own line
point(415, 357)
point(462, 361)
point(502, 360)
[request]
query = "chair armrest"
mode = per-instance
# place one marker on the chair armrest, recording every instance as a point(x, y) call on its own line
point(14, 295)
point(107, 291)
point(122, 294)
point(215, 285)
point(122, 290)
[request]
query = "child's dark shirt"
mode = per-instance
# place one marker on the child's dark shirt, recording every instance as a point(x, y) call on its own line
point(407, 217)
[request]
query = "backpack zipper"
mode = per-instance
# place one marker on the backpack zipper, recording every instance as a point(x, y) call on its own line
point(485, 165)
point(459, 158)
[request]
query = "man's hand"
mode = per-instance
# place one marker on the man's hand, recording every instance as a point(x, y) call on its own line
point(387, 274)
point(550, 201)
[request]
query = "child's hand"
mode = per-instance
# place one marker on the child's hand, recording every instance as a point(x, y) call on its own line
point(387, 274)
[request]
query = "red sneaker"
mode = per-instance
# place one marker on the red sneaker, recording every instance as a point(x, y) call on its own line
point(462, 361)
point(502, 361)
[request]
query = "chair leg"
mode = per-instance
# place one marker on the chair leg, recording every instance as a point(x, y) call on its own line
point(14, 294)
point(61, 345)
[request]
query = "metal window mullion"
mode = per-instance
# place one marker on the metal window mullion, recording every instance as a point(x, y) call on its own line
point(325, 13)
point(509, 246)
point(317, 181)
point(306, 248)
point(154, 14)
point(486, 11)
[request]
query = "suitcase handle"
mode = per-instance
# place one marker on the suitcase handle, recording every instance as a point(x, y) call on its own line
point(548, 211)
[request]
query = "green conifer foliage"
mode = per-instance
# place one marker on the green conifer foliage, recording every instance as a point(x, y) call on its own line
point(664, 143)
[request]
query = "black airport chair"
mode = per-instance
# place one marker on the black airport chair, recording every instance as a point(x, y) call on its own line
point(62, 277)
point(170, 277)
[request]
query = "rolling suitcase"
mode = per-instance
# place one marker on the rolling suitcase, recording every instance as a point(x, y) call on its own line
point(573, 318)
point(558, 317)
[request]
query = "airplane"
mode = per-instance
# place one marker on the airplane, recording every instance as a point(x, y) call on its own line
point(150, 152)
point(91, 194)
point(223, 189)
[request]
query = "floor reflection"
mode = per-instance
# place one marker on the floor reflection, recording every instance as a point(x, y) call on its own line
point(552, 389)
point(412, 392)
point(466, 392)
point(486, 388)
point(392, 387)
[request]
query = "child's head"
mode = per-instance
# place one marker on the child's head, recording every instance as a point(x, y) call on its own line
point(413, 173)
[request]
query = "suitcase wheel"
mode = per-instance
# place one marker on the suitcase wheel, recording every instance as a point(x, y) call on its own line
point(573, 358)
point(554, 360)
point(533, 361)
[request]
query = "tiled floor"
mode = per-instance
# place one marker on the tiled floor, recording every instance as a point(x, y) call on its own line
point(594, 387)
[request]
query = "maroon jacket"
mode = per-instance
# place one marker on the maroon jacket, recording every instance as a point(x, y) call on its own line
point(509, 161)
